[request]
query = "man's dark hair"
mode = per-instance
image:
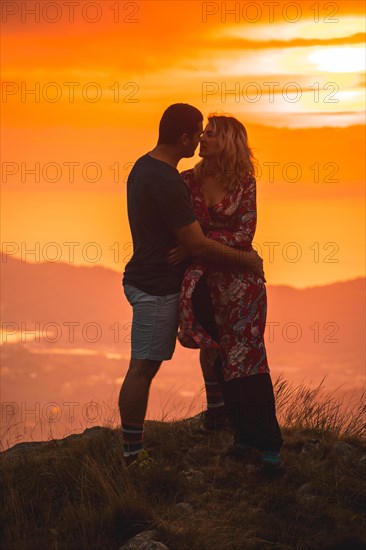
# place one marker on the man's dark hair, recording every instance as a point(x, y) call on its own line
point(178, 119)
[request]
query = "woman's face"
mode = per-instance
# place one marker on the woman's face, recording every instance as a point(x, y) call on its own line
point(209, 145)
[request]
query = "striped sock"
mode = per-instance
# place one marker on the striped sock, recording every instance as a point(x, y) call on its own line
point(132, 439)
point(214, 395)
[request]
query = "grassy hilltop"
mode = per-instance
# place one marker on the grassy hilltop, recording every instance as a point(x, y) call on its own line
point(75, 493)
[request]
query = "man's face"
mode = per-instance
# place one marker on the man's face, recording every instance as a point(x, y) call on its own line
point(192, 143)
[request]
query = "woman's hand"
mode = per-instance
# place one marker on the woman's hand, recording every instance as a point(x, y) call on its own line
point(256, 265)
point(177, 255)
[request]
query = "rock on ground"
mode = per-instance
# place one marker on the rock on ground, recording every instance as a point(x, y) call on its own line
point(144, 541)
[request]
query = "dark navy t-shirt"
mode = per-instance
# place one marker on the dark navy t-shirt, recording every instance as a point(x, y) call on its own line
point(158, 202)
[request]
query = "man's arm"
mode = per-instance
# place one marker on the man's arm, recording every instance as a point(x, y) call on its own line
point(198, 245)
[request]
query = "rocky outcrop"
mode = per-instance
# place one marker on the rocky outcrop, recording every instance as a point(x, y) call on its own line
point(25, 448)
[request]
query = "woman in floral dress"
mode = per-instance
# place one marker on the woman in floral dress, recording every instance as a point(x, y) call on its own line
point(231, 338)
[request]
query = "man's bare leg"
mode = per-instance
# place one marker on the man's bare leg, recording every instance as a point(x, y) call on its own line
point(133, 399)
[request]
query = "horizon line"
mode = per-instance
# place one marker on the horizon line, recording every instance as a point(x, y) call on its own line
point(120, 271)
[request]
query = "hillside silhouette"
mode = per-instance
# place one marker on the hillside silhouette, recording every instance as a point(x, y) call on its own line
point(75, 493)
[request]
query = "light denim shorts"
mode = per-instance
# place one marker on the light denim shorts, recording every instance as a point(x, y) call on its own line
point(154, 324)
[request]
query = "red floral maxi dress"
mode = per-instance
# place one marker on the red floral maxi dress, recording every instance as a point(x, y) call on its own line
point(239, 297)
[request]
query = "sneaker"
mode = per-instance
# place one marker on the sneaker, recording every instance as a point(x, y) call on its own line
point(139, 460)
point(271, 459)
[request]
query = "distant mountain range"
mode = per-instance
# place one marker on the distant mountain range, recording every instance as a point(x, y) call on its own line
point(329, 318)
point(62, 293)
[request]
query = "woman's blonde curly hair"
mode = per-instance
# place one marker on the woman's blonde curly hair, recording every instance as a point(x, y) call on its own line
point(235, 158)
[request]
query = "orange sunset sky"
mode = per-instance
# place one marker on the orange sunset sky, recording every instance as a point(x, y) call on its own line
point(292, 72)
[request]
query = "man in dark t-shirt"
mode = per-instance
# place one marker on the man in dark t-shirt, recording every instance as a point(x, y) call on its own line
point(161, 216)
point(158, 203)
